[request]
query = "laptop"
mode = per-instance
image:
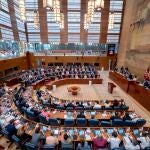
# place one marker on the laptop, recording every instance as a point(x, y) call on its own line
point(110, 131)
point(121, 131)
point(136, 132)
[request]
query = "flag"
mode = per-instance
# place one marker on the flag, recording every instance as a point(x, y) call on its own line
point(147, 74)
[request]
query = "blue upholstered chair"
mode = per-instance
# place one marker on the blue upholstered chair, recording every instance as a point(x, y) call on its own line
point(105, 123)
point(129, 123)
point(49, 147)
point(117, 122)
point(93, 123)
point(125, 107)
point(42, 119)
point(69, 122)
point(30, 146)
point(68, 147)
point(81, 122)
point(53, 122)
point(140, 122)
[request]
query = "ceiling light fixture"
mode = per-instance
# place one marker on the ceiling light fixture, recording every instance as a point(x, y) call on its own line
point(92, 6)
point(22, 10)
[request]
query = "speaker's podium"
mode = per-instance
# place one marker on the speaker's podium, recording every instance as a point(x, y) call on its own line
point(111, 86)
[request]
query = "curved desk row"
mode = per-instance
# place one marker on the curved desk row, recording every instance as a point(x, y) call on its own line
point(73, 81)
point(135, 90)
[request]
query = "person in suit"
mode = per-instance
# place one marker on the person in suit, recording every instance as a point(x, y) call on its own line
point(126, 116)
point(10, 128)
point(81, 115)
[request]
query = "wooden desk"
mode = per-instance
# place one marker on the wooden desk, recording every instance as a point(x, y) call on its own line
point(73, 81)
point(121, 81)
point(38, 84)
point(12, 81)
point(141, 94)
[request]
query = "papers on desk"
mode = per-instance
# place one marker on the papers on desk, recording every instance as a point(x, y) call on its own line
point(56, 132)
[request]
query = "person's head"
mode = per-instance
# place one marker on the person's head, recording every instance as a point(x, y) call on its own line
point(65, 136)
point(114, 134)
point(127, 114)
point(37, 130)
point(100, 137)
point(116, 113)
point(144, 134)
point(12, 121)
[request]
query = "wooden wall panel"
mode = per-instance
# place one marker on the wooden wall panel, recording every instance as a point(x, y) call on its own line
point(20, 62)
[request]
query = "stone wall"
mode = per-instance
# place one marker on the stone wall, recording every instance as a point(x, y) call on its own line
point(134, 50)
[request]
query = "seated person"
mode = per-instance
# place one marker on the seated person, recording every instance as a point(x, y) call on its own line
point(37, 136)
point(97, 105)
point(144, 140)
point(66, 141)
point(83, 146)
point(45, 113)
point(81, 115)
point(114, 141)
point(51, 139)
point(11, 129)
point(70, 105)
point(115, 103)
point(79, 104)
point(115, 116)
point(126, 116)
point(69, 115)
point(100, 143)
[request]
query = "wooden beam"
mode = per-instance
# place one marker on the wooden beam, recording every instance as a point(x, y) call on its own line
point(104, 22)
point(83, 32)
point(13, 19)
point(26, 31)
point(43, 22)
point(64, 32)
point(123, 9)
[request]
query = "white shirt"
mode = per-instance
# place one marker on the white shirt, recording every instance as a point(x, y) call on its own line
point(114, 142)
point(128, 144)
point(145, 141)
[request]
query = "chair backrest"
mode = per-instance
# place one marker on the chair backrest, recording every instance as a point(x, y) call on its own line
point(81, 122)
point(69, 108)
point(15, 139)
point(117, 122)
point(105, 123)
point(79, 108)
point(43, 119)
point(88, 108)
point(6, 133)
point(53, 122)
point(129, 123)
point(30, 114)
point(67, 147)
point(94, 122)
point(140, 122)
point(69, 122)
point(49, 147)
point(30, 146)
